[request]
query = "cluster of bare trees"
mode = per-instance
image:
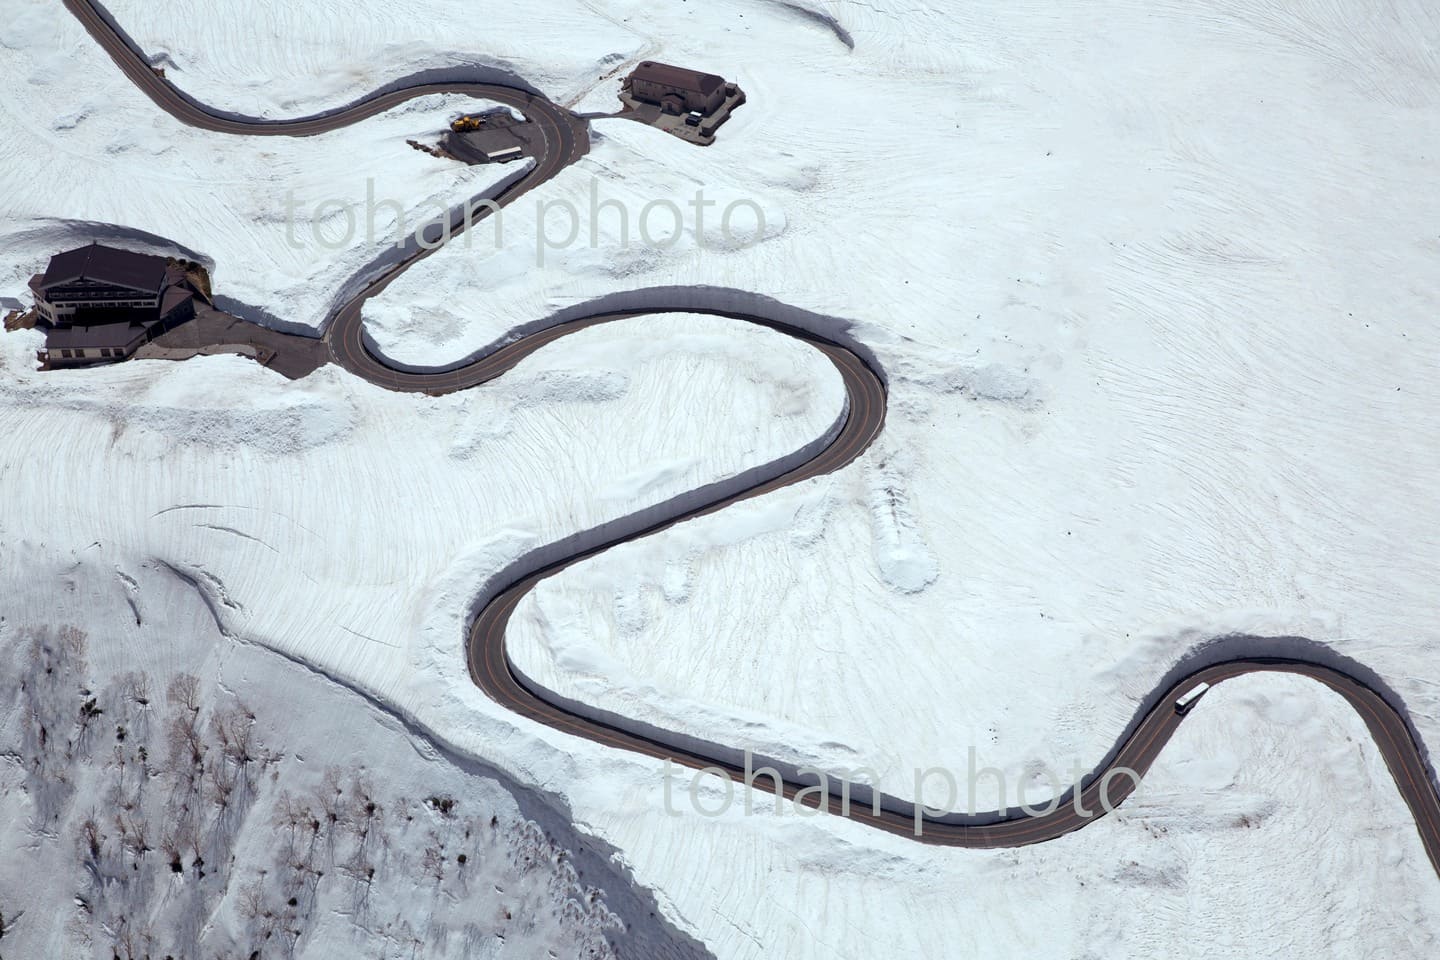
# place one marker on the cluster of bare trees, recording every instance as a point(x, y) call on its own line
point(58, 711)
point(144, 816)
point(331, 834)
point(166, 823)
point(154, 787)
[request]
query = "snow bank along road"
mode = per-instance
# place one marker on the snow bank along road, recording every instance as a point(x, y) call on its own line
point(565, 140)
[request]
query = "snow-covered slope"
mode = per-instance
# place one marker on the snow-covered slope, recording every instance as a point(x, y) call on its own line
point(288, 224)
point(1159, 356)
point(172, 792)
point(301, 58)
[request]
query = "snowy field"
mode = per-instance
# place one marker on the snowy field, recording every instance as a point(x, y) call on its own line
point(1152, 286)
point(287, 224)
point(164, 797)
point(301, 58)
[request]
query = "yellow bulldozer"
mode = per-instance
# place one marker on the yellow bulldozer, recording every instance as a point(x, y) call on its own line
point(469, 123)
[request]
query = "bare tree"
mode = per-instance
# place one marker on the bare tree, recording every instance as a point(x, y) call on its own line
point(125, 940)
point(170, 846)
point(135, 687)
point(184, 691)
point(134, 834)
point(330, 795)
point(221, 780)
point(92, 840)
point(233, 728)
point(365, 810)
point(187, 746)
point(289, 814)
point(433, 863)
point(92, 850)
point(252, 901)
point(196, 860)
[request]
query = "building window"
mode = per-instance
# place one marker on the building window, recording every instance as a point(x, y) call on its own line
point(104, 351)
point(64, 353)
point(79, 354)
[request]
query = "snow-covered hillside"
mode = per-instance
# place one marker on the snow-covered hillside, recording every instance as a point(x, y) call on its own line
point(166, 795)
point(1159, 357)
point(287, 224)
point(300, 58)
point(1152, 286)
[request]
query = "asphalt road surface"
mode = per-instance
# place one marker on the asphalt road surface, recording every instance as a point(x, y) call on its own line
point(565, 140)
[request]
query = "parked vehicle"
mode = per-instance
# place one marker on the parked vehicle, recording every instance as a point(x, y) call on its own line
point(468, 123)
point(1188, 699)
point(505, 155)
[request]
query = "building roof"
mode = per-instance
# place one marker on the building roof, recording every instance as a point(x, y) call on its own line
point(678, 77)
point(111, 265)
point(100, 335)
point(174, 297)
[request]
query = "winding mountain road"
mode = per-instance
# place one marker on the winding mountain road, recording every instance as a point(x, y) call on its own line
point(565, 139)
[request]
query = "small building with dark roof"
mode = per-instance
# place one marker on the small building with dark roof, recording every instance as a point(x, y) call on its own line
point(99, 303)
point(676, 89)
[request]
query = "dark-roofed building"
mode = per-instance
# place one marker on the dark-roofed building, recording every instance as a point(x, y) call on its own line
point(676, 89)
point(100, 303)
point(75, 346)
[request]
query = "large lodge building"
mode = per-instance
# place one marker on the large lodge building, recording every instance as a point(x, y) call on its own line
point(677, 89)
point(101, 303)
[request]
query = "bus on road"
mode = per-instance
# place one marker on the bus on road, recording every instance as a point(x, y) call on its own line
point(1188, 699)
